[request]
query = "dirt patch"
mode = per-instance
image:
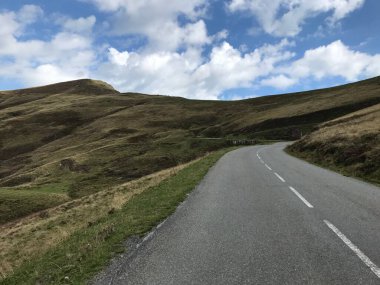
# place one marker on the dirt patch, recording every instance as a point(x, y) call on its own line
point(71, 165)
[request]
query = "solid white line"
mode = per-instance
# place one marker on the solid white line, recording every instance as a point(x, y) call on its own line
point(161, 224)
point(148, 236)
point(301, 197)
point(355, 249)
point(279, 177)
point(267, 166)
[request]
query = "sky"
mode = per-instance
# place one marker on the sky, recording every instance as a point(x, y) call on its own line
point(198, 49)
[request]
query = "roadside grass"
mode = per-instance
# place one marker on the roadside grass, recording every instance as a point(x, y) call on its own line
point(17, 203)
point(30, 237)
point(363, 171)
point(349, 145)
point(125, 163)
point(87, 250)
point(110, 166)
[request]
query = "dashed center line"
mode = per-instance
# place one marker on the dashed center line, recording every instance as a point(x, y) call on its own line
point(307, 203)
point(301, 197)
point(279, 177)
point(355, 249)
point(290, 187)
point(365, 259)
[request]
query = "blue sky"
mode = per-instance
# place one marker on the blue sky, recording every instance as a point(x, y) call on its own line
point(200, 49)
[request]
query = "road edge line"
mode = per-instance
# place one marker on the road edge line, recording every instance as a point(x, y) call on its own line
point(355, 249)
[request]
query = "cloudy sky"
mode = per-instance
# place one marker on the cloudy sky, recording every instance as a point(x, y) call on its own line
point(201, 49)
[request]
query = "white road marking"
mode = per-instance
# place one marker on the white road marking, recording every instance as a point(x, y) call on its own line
point(355, 249)
point(301, 197)
point(279, 177)
point(261, 160)
point(267, 166)
point(148, 236)
point(161, 224)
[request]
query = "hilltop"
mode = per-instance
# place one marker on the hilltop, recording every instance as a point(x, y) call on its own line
point(81, 86)
point(71, 139)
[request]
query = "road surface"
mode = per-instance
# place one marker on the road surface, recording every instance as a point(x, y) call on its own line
point(261, 216)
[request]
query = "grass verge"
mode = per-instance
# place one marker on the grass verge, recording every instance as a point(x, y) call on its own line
point(318, 158)
point(85, 252)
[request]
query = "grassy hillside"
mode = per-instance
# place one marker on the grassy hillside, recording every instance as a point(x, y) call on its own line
point(75, 138)
point(349, 144)
point(70, 243)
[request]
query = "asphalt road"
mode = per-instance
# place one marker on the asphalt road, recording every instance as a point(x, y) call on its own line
point(261, 216)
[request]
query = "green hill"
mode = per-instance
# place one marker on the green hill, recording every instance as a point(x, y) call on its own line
point(76, 138)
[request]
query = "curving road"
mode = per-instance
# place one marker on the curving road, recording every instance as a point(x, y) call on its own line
point(261, 216)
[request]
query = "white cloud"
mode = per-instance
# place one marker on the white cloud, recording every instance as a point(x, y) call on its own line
point(29, 14)
point(80, 25)
point(67, 55)
point(237, 97)
point(157, 8)
point(195, 34)
point(286, 17)
point(160, 68)
point(180, 59)
point(66, 41)
point(118, 58)
point(13, 23)
point(46, 74)
point(221, 35)
point(8, 25)
point(279, 82)
point(335, 59)
point(188, 74)
point(157, 20)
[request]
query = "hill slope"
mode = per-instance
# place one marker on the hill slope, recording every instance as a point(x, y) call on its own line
point(76, 138)
point(350, 144)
